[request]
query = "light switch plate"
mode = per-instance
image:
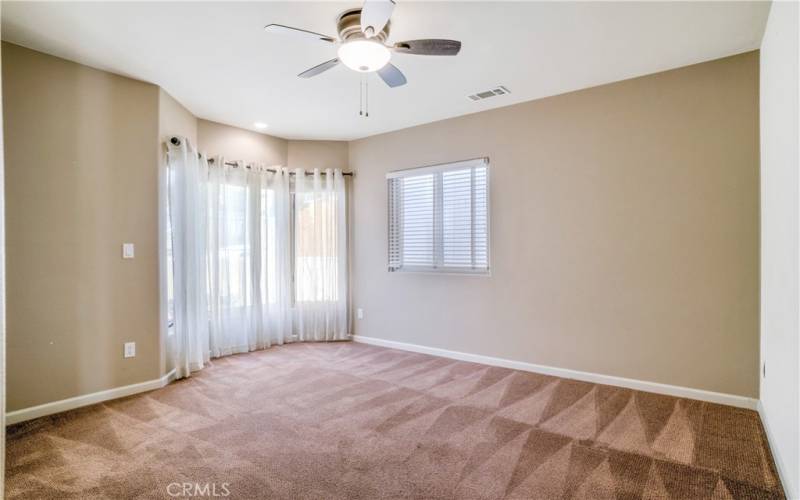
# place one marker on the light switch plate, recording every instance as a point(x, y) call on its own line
point(130, 350)
point(360, 313)
point(127, 250)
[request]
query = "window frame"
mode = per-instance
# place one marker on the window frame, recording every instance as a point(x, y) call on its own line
point(438, 169)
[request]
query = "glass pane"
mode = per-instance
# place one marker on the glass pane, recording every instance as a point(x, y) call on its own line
point(316, 247)
point(457, 218)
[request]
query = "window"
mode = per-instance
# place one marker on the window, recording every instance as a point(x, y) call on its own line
point(314, 231)
point(316, 246)
point(439, 218)
point(247, 241)
point(242, 243)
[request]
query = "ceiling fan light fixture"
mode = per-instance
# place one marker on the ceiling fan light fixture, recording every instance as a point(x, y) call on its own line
point(364, 56)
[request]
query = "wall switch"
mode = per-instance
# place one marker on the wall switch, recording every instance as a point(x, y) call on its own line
point(360, 313)
point(130, 350)
point(127, 250)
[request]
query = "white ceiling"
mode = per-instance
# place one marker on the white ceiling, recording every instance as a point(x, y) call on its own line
point(216, 59)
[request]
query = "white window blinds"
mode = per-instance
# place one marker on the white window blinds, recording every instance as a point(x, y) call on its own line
point(439, 218)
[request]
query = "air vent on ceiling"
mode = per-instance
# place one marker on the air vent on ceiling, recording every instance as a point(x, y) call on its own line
point(500, 90)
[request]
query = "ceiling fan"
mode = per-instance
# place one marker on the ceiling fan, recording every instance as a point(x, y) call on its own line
point(362, 43)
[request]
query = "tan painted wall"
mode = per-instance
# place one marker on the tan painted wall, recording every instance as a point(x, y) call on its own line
point(239, 144)
point(174, 119)
point(81, 169)
point(89, 156)
point(624, 231)
point(318, 154)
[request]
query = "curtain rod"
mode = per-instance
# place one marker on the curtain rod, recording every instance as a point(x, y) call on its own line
point(177, 142)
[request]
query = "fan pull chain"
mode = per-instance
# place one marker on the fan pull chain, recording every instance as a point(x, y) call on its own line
point(361, 96)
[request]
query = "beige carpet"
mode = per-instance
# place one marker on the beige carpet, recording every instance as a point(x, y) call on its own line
point(345, 420)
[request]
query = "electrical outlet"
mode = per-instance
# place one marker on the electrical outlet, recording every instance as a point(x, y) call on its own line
point(130, 350)
point(127, 250)
point(360, 313)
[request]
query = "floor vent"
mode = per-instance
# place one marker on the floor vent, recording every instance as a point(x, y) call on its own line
point(500, 90)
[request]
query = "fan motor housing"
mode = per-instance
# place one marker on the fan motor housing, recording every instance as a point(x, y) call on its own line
point(349, 26)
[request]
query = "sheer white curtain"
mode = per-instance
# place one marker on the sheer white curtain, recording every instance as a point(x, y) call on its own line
point(259, 257)
point(187, 195)
point(320, 255)
point(248, 255)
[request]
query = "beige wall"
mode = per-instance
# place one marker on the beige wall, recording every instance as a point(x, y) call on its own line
point(89, 174)
point(2, 297)
point(624, 231)
point(318, 154)
point(174, 119)
point(81, 156)
point(239, 144)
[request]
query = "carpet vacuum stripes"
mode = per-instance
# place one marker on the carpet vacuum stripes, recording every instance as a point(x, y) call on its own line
point(354, 421)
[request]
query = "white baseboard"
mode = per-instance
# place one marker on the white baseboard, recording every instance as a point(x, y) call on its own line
point(24, 414)
point(639, 385)
point(782, 470)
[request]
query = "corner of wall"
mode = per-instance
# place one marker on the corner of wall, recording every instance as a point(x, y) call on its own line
point(2, 295)
point(237, 143)
point(318, 154)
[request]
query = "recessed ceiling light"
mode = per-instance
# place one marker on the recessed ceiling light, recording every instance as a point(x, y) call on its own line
point(260, 125)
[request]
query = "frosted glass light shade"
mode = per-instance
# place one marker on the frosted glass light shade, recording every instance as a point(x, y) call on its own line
point(364, 56)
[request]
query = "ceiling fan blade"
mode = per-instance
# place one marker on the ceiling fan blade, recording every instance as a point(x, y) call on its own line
point(319, 68)
point(392, 76)
point(374, 16)
point(428, 47)
point(297, 32)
